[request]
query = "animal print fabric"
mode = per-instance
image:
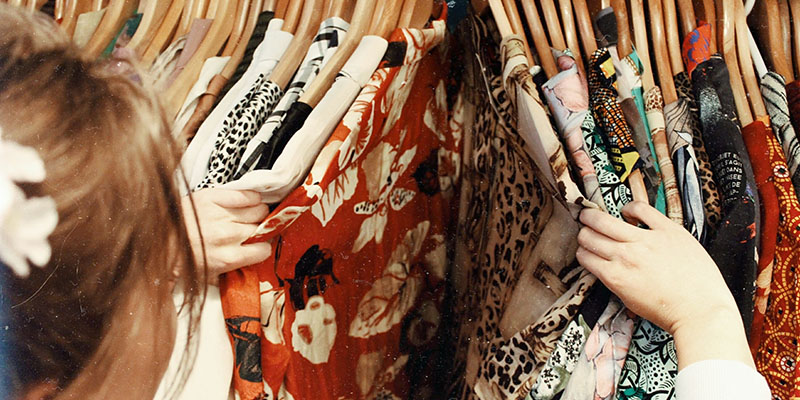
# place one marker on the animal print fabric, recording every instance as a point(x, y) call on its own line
point(330, 35)
point(352, 310)
point(558, 369)
point(710, 193)
point(773, 90)
point(777, 354)
point(536, 129)
point(513, 297)
point(326, 41)
point(238, 127)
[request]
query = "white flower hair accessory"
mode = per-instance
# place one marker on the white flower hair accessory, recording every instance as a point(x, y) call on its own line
point(25, 223)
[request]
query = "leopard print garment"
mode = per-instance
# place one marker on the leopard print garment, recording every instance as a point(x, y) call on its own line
point(711, 198)
point(507, 207)
point(239, 126)
point(507, 204)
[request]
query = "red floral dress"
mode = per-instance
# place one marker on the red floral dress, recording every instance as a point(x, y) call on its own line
point(349, 300)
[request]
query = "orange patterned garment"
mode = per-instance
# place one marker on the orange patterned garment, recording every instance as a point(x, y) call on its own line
point(348, 303)
point(777, 353)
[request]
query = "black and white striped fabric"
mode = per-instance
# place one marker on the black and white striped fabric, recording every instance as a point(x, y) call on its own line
point(773, 90)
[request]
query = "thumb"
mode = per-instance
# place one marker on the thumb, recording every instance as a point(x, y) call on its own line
point(234, 198)
point(641, 212)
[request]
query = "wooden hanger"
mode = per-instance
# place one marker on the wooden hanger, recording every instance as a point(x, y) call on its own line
point(117, 13)
point(688, 19)
point(210, 46)
point(164, 32)
point(553, 25)
point(97, 5)
point(794, 6)
point(269, 5)
point(281, 7)
point(211, 7)
point(512, 16)
point(34, 5)
point(670, 23)
point(153, 13)
point(192, 10)
point(767, 25)
point(238, 53)
point(746, 63)
point(711, 18)
point(786, 32)
point(571, 33)
point(546, 58)
point(423, 11)
point(294, 12)
point(727, 41)
point(243, 16)
point(72, 9)
point(500, 18)
point(586, 27)
point(640, 37)
point(660, 39)
point(624, 45)
point(359, 26)
point(58, 10)
point(385, 18)
point(307, 28)
point(15, 3)
point(338, 8)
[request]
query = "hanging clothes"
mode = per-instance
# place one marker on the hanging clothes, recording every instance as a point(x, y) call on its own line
point(332, 31)
point(303, 150)
point(556, 373)
point(219, 86)
point(710, 193)
point(608, 114)
point(777, 354)
point(654, 109)
point(225, 117)
point(514, 281)
point(569, 105)
point(342, 317)
point(773, 90)
point(733, 247)
point(681, 126)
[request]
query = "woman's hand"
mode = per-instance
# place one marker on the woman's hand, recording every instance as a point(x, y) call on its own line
point(227, 218)
point(664, 275)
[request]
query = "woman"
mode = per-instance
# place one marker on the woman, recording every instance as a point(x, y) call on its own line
point(95, 319)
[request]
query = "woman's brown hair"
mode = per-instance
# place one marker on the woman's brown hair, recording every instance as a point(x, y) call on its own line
point(96, 321)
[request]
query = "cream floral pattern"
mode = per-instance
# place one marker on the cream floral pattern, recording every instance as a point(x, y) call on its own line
point(383, 168)
point(314, 330)
point(394, 293)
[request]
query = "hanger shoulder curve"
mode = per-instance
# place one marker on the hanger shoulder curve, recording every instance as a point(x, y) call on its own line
point(117, 13)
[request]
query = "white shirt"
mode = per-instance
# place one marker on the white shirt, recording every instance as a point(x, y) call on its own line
point(265, 58)
point(720, 380)
point(297, 158)
point(212, 369)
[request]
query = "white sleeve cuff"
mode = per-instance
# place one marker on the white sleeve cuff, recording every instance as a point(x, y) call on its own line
point(721, 379)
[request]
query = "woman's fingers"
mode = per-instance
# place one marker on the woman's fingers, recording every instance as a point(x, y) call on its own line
point(612, 227)
point(598, 243)
point(250, 215)
point(636, 212)
point(234, 198)
point(595, 264)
